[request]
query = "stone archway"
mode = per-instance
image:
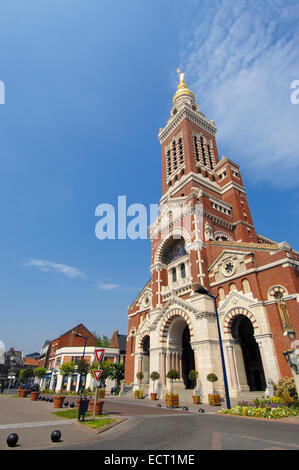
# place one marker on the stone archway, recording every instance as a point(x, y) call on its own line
point(145, 345)
point(178, 333)
point(242, 331)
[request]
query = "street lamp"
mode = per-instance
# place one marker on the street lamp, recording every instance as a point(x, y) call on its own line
point(199, 289)
point(85, 339)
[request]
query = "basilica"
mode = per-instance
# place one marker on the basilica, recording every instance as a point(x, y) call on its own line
point(210, 241)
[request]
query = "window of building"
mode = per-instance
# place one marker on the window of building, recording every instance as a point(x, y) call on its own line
point(183, 270)
point(174, 278)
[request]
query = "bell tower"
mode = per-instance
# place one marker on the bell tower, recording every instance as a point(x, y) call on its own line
point(190, 161)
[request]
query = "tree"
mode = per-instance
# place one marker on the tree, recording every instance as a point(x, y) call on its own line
point(68, 368)
point(83, 367)
point(154, 377)
point(25, 374)
point(103, 341)
point(192, 376)
point(172, 375)
point(40, 373)
point(117, 372)
point(212, 378)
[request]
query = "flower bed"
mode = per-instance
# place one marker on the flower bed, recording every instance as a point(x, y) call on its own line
point(272, 408)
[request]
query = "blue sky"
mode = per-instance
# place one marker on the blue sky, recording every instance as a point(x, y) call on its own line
point(88, 84)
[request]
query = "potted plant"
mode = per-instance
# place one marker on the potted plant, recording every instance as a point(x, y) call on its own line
point(154, 377)
point(58, 399)
point(172, 399)
point(25, 374)
point(139, 393)
point(214, 398)
point(192, 376)
point(40, 373)
point(66, 369)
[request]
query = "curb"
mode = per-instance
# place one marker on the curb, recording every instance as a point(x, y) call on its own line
point(104, 428)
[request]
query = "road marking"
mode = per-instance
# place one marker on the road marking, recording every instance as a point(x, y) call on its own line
point(36, 424)
point(261, 440)
point(216, 441)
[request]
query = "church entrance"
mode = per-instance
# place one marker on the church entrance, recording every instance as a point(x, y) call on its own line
point(146, 359)
point(242, 330)
point(180, 347)
point(188, 362)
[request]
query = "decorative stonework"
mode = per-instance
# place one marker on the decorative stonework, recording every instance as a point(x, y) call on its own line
point(168, 320)
point(234, 312)
point(275, 290)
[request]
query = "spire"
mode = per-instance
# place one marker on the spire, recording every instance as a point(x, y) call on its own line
point(182, 89)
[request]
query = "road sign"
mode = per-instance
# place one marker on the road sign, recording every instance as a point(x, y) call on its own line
point(97, 374)
point(99, 354)
point(96, 384)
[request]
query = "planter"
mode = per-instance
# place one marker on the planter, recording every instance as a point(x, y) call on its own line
point(58, 401)
point(99, 407)
point(138, 394)
point(101, 393)
point(196, 399)
point(34, 396)
point(24, 393)
point(153, 396)
point(19, 391)
point(214, 399)
point(172, 401)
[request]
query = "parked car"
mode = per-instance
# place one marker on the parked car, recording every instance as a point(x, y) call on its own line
point(31, 387)
point(114, 390)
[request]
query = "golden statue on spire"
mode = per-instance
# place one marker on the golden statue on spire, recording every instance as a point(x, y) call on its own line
point(182, 89)
point(181, 75)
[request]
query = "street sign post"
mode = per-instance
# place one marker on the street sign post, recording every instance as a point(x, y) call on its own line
point(97, 374)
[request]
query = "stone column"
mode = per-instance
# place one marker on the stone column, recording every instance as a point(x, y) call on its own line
point(162, 368)
point(232, 366)
point(260, 344)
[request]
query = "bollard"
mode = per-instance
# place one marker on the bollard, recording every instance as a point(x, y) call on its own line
point(55, 436)
point(12, 439)
point(185, 408)
point(158, 405)
point(201, 410)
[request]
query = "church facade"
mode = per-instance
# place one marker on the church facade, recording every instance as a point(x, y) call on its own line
point(210, 240)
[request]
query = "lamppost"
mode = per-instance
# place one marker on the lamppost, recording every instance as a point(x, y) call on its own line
point(199, 289)
point(85, 339)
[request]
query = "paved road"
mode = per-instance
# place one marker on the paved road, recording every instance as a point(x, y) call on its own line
point(196, 432)
point(147, 428)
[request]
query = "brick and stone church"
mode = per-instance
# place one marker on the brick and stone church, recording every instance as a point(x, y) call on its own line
point(255, 279)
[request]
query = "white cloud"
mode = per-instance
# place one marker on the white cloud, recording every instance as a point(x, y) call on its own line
point(240, 60)
point(47, 266)
point(106, 286)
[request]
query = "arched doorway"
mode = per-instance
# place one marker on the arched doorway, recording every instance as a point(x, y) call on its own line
point(179, 346)
point(146, 359)
point(188, 362)
point(243, 331)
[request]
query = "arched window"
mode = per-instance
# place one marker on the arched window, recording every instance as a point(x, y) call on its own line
point(221, 293)
point(174, 249)
point(245, 286)
point(173, 275)
point(183, 271)
point(232, 286)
